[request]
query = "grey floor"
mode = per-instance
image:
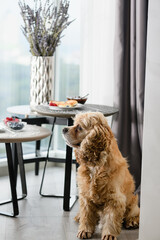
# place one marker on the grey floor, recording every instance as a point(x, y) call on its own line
point(43, 218)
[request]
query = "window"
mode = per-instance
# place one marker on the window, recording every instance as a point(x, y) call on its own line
point(15, 63)
point(68, 65)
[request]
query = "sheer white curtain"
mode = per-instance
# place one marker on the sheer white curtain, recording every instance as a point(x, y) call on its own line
point(97, 42)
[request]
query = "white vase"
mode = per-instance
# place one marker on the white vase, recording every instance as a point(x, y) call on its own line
point(42, 80)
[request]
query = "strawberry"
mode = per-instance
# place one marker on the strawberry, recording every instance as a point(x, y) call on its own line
point(10, 119)
point(52, 104)
point(15, 120)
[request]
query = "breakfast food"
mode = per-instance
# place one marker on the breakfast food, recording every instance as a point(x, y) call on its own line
point(55, 103)
point(10, 119)
point(13, 123)
point(63, 105)
point(69, 103)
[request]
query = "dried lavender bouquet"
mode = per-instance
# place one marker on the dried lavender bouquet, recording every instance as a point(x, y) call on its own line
point(44, 25)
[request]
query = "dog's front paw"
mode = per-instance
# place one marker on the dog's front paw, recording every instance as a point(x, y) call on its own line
point(84, 235)
point(109, 237)
point(77, 218)
point(133, 222)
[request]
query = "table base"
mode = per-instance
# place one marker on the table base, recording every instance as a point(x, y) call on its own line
point(68, 201)
point(13, 178)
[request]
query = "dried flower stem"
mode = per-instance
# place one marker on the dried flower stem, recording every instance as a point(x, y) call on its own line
point(44, 25)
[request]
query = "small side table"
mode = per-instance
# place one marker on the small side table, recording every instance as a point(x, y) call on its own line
point(43, 114)
point(29, 133)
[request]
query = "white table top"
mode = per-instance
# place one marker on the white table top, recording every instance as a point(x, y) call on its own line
point(27, 134)
point(69, 113)
point(42, 110)
point(21, 110)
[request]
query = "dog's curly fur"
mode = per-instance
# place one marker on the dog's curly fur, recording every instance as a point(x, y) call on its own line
point(106, 188)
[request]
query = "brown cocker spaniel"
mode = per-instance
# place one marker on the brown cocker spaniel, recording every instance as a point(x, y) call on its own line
point(106, 188)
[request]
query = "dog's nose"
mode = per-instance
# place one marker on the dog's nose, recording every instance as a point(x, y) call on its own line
point(65, 130)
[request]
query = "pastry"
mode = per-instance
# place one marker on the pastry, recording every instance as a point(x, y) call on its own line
point(69, 103)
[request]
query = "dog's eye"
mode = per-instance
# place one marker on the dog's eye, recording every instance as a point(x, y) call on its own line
point(79, 128)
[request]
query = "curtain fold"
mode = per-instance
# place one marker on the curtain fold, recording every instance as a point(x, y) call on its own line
point(129, 75)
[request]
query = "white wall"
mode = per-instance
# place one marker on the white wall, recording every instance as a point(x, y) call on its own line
point(150, 200)
point(97, 40)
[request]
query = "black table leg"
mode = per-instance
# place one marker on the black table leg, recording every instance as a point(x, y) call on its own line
point(45, 166)
point(15, 157)
point(22, 170)
point(38, 145)
point(15, 160)
point(68, 201)
point(12, 183)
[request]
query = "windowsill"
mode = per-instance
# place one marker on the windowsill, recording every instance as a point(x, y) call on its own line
point(30, 166)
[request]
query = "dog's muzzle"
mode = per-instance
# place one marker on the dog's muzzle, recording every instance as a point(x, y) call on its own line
point(65, 130)
point(64, 133)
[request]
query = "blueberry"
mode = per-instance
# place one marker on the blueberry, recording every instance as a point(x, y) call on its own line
point(16, 125)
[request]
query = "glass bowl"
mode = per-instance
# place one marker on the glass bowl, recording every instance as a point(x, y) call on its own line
point(78, 99)
point(14, 123)
point(16, 126)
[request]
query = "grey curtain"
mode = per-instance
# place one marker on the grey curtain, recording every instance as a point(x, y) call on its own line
point(130, 58)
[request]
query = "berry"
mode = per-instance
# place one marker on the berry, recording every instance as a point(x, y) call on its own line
point(52, 104)
point(9, 119)
point(16, 125)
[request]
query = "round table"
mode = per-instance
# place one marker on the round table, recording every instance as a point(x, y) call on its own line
point(7, 136)
point(27, 134)
point(69, 113)
point(43, 114)
point(21, 110)
point(46, 111)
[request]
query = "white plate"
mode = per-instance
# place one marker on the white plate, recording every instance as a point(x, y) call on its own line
point(66, 108)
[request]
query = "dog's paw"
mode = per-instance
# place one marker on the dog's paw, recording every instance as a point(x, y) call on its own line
point(84, 235)
point(133, 222)
point(109, 237)
point(77, 218)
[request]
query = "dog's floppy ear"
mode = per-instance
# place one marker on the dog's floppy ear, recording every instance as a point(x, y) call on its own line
point(95, 142)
